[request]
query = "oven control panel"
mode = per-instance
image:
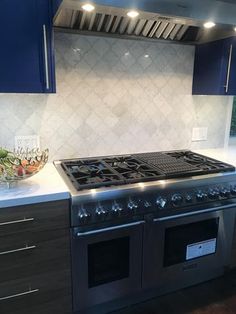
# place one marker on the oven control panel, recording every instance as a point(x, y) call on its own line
point(165, 203)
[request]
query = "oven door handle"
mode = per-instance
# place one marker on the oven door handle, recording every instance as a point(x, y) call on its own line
point(132, 224)
point(208, 210)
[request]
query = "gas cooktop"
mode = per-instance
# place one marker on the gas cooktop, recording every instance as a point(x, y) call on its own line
point(98, 172)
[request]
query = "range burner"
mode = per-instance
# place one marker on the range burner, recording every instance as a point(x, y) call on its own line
point(133, 169)
point(207, 164)
point(90, 173)
point(94, 173)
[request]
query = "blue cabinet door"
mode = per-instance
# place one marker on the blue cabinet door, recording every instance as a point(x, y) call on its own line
point(26, 59)
point(214, 68)
point(55, 6)
point(45, 7)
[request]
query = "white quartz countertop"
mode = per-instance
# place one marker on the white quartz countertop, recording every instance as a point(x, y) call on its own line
point(227, 155)
point(45, 186)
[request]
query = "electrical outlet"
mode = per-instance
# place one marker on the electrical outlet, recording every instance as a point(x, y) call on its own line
point(27, 142)
point(199, 134)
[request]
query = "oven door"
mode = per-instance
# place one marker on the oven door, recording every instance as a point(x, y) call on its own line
point(186, 249)
point(106, 263)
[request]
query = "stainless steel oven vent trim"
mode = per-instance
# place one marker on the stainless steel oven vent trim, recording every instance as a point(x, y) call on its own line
point(116, 23)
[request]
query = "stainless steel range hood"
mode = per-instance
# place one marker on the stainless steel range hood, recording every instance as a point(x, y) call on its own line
point(107, 20)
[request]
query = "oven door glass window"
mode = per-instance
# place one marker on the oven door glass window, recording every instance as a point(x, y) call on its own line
point(108, 261)
point(189, 241)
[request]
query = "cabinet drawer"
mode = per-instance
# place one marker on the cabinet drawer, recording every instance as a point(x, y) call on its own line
point(26, 295)
point(36, 217)
point(64, 306)
point(34, 253)
point(233, 252)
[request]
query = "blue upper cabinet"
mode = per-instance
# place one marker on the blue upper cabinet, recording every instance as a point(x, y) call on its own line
point(26, 54)
point(55, 6)
point(214, 68)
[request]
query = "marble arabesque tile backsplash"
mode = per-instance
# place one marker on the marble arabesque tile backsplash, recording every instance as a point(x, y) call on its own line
point(115, 96)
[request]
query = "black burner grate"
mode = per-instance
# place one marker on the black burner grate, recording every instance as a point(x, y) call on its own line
point(119, 170)
point(132, 169)
point(90, 174)
point(206, 164)
point(94, 173)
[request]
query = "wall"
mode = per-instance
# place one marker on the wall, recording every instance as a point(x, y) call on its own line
point(116, 96)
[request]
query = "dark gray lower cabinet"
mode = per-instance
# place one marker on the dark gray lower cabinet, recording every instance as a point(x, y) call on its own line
point(35, 267)
point(233, 255)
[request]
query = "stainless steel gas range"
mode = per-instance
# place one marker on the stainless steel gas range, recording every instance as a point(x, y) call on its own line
point(147, 224)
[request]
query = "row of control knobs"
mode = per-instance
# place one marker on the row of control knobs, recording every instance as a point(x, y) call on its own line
point(176, 200)
point(115, 210)
point(101, 211)
point(212, 194)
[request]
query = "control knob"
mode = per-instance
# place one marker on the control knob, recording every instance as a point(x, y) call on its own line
point(201, 196)
point(100, 211)
point(132, 205)
point(189, 198)
point(83, 214)
point(177, 199)
point(147, 204)
point(161, 202)
point(224, 192)
point(233, 190)
point(116, 208)
point(213, 194)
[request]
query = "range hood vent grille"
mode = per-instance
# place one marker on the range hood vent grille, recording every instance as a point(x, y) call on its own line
point(105, 23)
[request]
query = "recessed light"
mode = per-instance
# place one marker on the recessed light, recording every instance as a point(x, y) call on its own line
point(88, 7)
point(133, 14)
point(146, 56)
point(235, 29)
point(209, 24)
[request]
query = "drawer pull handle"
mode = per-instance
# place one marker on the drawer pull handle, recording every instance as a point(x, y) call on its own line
point(16, 221)
point(19, 294)
point(26, 248)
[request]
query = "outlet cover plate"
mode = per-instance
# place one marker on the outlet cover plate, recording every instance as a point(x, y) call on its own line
point(27, 142)
point(199, 134)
